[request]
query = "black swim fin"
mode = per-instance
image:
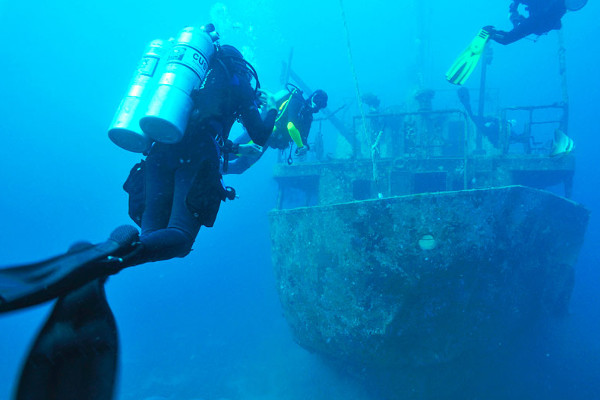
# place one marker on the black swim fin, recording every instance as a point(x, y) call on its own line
point(27, 285)
point(75, 355)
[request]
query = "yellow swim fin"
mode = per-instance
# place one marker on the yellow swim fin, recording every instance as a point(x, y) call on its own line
point(462, 68)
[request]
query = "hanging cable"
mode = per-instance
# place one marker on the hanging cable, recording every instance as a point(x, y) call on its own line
point(360, 105)
point(562, 65)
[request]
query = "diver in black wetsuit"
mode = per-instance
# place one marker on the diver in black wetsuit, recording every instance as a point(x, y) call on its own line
point(544, 16)
point(183, 186)
point(292, 126)
point(488, 126)
point(175, 191)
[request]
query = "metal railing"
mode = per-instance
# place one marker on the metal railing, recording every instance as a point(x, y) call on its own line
point(420, 137)
point(527, 137)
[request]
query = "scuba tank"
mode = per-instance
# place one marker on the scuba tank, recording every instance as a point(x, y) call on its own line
point(186, 66)
point(125, 129)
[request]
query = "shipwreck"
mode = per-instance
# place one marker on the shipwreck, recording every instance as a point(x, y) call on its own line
point(437, 250)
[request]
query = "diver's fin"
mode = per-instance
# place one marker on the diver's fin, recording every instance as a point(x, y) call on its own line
point(27, 285)
point(462, 68)
point(75, 354)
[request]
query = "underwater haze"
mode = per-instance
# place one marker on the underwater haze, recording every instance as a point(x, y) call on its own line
point(210, 326)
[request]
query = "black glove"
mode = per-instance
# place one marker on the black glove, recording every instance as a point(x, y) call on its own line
point(490, 29)
point(230, 147)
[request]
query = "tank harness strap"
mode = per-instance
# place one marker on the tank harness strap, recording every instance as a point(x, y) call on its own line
point(283, 108)
point(227, 148)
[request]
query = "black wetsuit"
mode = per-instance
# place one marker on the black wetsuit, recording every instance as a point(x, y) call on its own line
point(297, 112)
point(544, 16)
point(183, 187)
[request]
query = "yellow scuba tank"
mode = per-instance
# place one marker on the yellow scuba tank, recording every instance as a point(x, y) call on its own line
point(124, 129)
point(186, 66)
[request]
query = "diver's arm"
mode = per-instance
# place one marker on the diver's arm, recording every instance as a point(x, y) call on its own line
point(259, 128)
point(519, 32)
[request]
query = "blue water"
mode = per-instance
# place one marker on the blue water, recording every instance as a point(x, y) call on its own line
point(210, 326)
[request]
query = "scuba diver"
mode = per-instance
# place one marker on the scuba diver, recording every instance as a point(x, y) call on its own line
point(292, 126)
point(544, 16)
point(173, 192)
point(488, 126)
point(182, 182)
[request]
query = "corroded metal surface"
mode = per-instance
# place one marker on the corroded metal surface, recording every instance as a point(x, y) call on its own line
point(419, 281)
point(339, 181)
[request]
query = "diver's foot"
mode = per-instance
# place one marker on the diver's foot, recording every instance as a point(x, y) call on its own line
point(130, 248)
point(125, 235)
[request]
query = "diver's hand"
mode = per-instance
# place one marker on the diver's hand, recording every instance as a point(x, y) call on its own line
point(268, 99)
point(250, 149)
point(492, 31)
point(489, 29)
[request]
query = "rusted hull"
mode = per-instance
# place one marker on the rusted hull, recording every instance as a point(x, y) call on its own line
point(422, 280)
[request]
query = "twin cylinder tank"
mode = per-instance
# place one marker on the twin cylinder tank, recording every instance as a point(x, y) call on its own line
point(158, 102)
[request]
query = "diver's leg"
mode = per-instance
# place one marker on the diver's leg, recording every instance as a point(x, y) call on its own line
point(159, 182)
point(181, 217)
point(159, 243)
point(174, 237)
point(202, 177)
